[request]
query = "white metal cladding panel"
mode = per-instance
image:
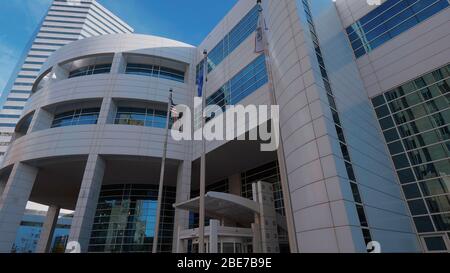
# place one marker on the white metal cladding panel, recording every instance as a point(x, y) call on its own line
point(86, 139)
point(351, 11)
point(116, 86)
point(408, 56)
point(137, 44)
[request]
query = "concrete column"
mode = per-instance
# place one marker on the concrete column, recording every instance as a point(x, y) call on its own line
point(183, 194)
point(48, 229)
point(213, 236)
point(268, 219)
point(107, 112)
point(256, 227)
point(256, 243)
point(119, 64)
point(83, 219)
point(42, 120)
point(13, 203)
point(181, 244)
point(235, 184)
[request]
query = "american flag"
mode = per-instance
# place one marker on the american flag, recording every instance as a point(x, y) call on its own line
point(173, 110)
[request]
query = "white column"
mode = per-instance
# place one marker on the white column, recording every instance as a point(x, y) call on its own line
point(256, 243)
point(183, 194)
point(48, 229)
point(213, 236)
point(256, 227)
point(83, 219)
point(42, 120)
point(268, 219)
point(119, 64)
point(13, 203)
point(107, 111)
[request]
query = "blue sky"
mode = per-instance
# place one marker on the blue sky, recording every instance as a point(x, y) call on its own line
point(185, 20)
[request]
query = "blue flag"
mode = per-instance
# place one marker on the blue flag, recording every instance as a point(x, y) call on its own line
point(200, 80)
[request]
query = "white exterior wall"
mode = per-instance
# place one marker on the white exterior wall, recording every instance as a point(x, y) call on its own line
point(412, 54)
point(106, 138)
point(387, 213)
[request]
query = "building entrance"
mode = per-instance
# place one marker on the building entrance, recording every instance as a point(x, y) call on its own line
point(237, 223)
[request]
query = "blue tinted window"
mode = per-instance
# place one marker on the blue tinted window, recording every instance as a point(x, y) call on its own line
point(249, 79)
point(76, 117)
point(155, 71)
point(233, 39)
point(142, 117)
point(388, 21)
point(90, 70)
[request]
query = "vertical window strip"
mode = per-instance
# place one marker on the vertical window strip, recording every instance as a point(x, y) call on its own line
point(343, 143)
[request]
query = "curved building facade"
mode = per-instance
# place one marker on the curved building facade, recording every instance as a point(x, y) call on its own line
point(94, 126)
point(347, 172)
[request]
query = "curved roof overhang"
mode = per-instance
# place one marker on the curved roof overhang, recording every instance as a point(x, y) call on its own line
point(224, 206)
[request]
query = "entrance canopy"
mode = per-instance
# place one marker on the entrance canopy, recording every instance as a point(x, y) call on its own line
point(220, 205)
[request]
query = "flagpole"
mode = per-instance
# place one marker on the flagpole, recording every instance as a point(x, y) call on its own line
point(161, 176)
point(280, 151)
point(201, 224)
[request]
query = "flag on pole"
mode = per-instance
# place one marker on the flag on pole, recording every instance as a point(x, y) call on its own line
point(170, 106)
point(173, 109)
point(260, 39)
point(200, 79)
